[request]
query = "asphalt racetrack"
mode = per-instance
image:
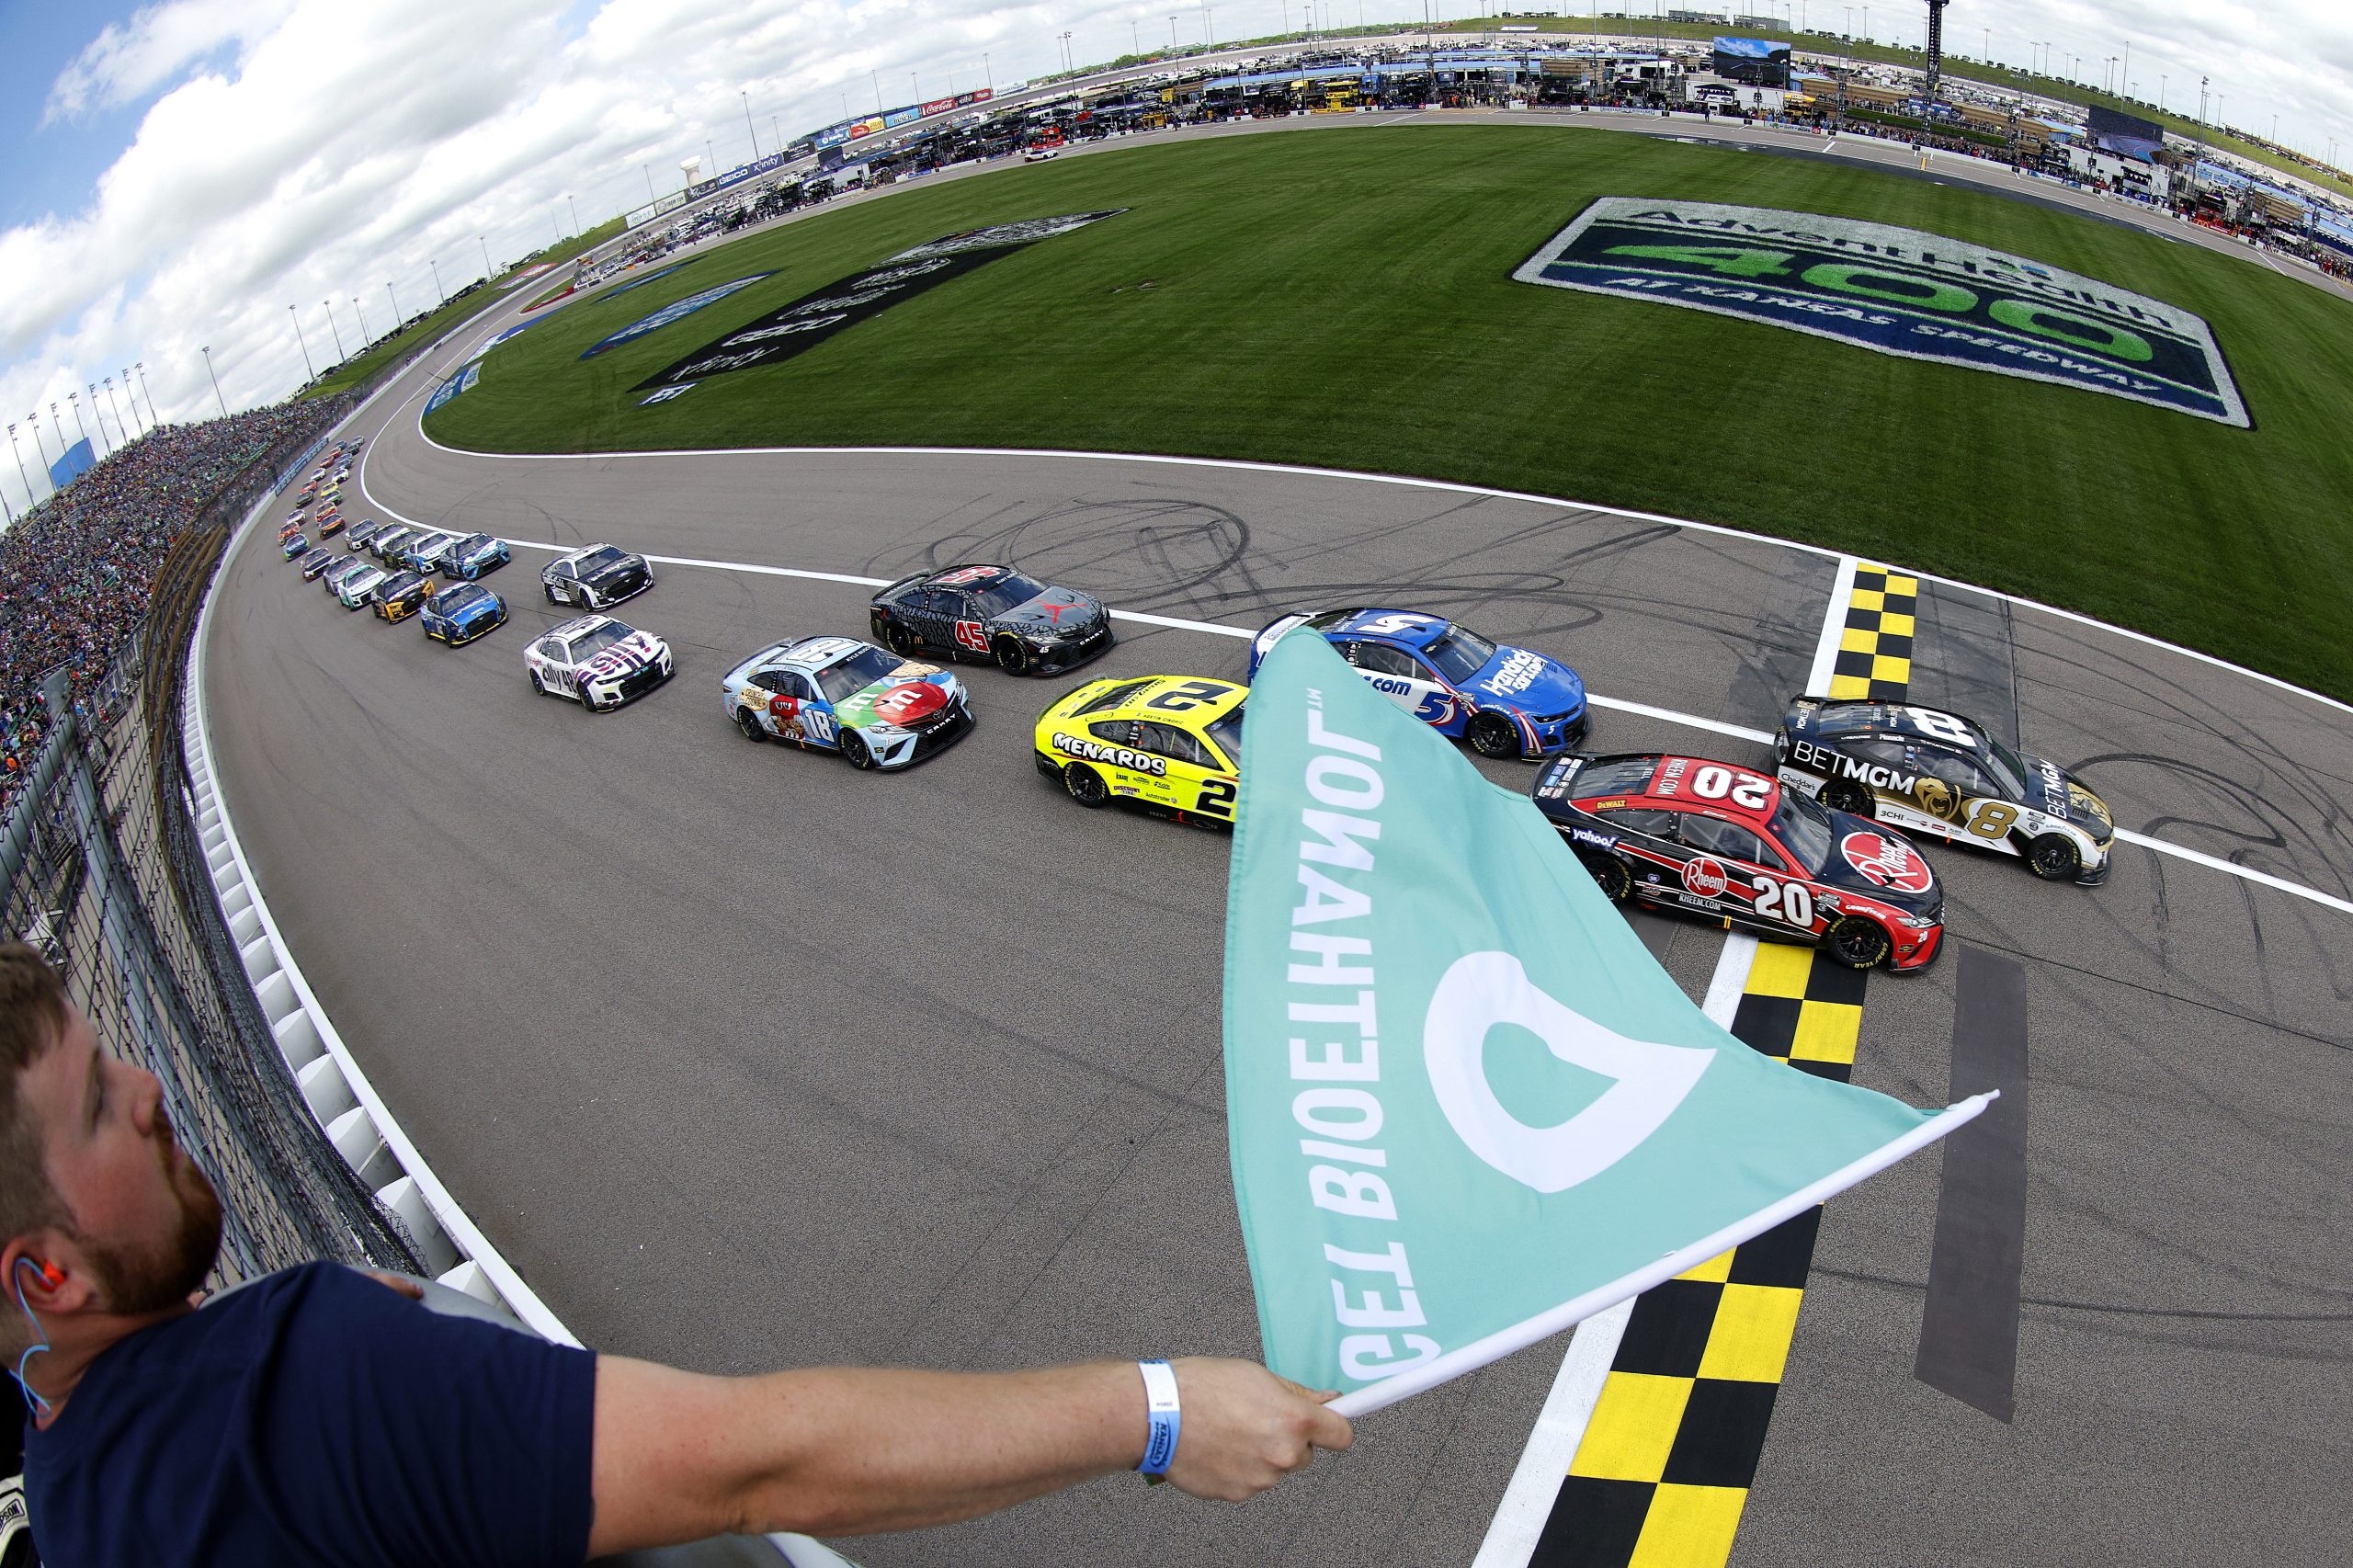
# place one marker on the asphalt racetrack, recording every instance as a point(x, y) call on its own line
point(745, 1059)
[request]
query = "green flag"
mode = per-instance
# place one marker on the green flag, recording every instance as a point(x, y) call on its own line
point(1467, 1108)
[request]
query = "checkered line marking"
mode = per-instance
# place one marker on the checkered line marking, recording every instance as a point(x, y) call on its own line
point(1665, 1467)
point(1875, 651)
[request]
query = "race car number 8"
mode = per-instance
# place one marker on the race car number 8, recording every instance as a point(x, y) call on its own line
point(1746, 789)
point(1943, 726)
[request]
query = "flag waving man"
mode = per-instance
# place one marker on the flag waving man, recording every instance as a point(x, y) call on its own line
point(1467, 1108)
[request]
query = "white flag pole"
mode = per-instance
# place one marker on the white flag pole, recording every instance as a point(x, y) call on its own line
point(1469, 1357)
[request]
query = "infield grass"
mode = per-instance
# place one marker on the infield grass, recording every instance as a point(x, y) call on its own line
point(1342, 299)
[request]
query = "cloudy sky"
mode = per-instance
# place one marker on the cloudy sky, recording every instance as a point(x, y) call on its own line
point(180, 173)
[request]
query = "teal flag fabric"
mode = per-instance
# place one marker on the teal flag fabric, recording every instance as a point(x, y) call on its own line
point(1466, 1106)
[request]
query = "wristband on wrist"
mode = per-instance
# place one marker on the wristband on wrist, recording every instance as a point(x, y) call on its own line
point(1160, 1404)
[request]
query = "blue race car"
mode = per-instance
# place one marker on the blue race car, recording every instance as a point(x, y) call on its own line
point(293, 546)
point(462, 613)
point(473, 555)
point(1504, 701)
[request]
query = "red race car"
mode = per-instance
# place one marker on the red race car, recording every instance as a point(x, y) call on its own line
point(1728, 843)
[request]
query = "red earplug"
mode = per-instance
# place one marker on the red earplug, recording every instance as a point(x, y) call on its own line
point(51, 1275)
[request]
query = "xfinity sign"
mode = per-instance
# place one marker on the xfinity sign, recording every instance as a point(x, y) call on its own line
point(1899, 291)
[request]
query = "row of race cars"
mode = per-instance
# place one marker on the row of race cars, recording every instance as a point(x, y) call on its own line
point(1818, 849)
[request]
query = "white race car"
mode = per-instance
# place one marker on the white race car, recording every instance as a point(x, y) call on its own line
point(597, 662)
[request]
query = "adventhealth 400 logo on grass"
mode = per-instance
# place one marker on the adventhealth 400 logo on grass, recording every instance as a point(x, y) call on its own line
point(1897, 291)
point(1466, 1107)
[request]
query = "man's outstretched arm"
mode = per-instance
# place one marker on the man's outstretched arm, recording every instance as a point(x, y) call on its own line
point(838, 1451)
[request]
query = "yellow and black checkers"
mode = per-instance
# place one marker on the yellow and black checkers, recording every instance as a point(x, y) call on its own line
point(1875, 648)
point(1662, 1473)
point(1170, 744)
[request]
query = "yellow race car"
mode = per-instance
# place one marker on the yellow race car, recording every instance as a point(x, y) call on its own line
point(1167, 742)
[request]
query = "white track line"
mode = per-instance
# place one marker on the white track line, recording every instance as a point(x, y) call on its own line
point(1535, 1484)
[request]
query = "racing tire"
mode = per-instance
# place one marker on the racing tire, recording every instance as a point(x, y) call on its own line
point(1086, 786)
point(1857, 942)
point(1846, 795)
point(1617, 884)
point(549, 591)
point(538, 687)
point(854, 750)
point(749, 726)
point(1012, 656)
point(898, 639)
point(2055, 858)
point(1493, 736)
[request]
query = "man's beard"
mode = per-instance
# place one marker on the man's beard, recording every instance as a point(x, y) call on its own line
point(136, 1282)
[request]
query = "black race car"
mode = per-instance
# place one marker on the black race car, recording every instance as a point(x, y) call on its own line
point(389, 539)
point(991, 612)
point(316, 563)
point(1925, 770)
point(401, 595)
point(1716, 840)
point(595, 578)
point(361, 535)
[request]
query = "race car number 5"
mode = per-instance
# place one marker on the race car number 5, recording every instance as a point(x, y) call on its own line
point(969, 634)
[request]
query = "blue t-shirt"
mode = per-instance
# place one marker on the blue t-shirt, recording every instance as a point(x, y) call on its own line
point(317, 1417)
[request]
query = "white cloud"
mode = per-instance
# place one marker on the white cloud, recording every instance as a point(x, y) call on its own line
point(296, 151)
point(127, 61)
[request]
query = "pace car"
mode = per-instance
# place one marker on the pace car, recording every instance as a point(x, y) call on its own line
point(1506, 701)
point(462, 613)
point(878, 709)
point(991, 612)
point(597, 662)
point(597, 577)
point(401, 596)
point(294, 544)
point(1926, 770)
point(475, 554)
point(1715, 840)
point(1167, 742)
point(316, 564)
point(356, 590)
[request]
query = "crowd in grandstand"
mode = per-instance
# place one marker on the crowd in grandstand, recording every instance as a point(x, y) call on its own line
point(77, 570)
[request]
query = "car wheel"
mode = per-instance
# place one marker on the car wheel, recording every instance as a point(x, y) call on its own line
point(1086, 785)
point(1856, 942)
point(1491, 735)
point(1609, 873)
point(854, 749)
point(2055, 858)
point(1012, 656)
point(749, 723)
point(1846, 795)
point(549, 591)
point(898, 639)
point(538, 687)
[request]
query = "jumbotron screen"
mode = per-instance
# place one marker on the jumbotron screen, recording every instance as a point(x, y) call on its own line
point(1755, 62)
point(2125, 136)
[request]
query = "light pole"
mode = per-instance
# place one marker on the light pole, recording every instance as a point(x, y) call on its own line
point(364, 336)
point(328, 306)
point(34, 420)
point(576, 213)
point(140, 366)
point(223, 402)
point(649, 183)
point(73, 400)
point(1209, 27)
point(20, 468)
point(100, 416)
point(1172, 35)
point(306, 348)
point(114, 404)
point(439, 292)
point(876, 77)
point(397, 317)
point(483, 241)
point(988, 77)
point(746, 95)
